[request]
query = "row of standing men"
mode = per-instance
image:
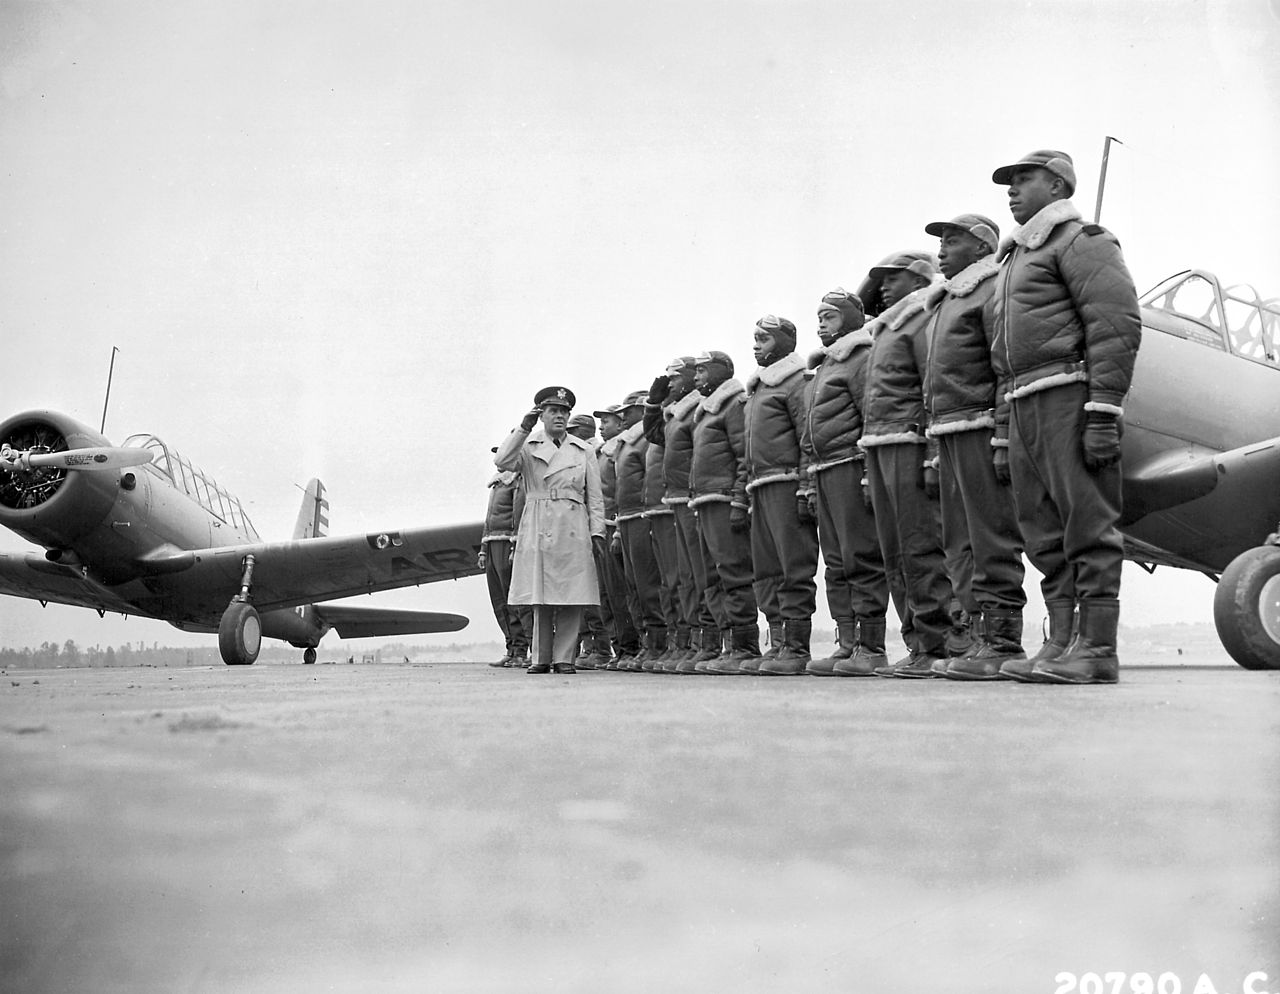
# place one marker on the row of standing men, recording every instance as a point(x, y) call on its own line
point(949, 422)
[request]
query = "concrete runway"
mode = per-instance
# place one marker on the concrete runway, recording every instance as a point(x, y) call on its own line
point(453, 827)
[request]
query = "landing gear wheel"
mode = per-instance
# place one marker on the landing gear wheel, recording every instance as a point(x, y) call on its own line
point(239, 634)
point(1246, 608)
point(309, 657)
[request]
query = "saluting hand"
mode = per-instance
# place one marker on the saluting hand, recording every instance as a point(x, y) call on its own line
point(530, 419)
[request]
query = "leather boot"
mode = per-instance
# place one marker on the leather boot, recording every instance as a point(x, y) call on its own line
point(657, 648)
point(505, 661)
point(846, 639)
point(868, 650)
point(706, 646)
point(962, 636)
point(519, 657)
point(794, 656)
point(716, 640)
point(777, 636)
point(1062, 617)
point(728, 662)
point(1092, 657)
point(744, 649)
point(678, 651)
point(1001, 643)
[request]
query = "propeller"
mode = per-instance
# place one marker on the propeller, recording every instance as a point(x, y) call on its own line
point(92, 459)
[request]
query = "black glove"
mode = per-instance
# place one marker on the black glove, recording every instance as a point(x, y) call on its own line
point(932, 482)
point(1000, 463)
point(807, 508)
point(530, 419)
point(1101, 440)
point(739, 519)
point(660, 389)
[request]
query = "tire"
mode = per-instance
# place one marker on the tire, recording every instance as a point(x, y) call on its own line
point(239, 634)
point(309, 657)
point(1246, 608)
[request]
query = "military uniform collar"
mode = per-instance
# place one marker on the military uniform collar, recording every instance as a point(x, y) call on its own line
point(1037, 230)
point(771, 376)
point(721, 396)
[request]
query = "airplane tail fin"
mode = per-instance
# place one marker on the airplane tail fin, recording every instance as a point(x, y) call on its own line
point(313, 516)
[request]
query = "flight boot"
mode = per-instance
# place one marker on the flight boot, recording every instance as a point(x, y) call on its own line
point(846, 641)
point(1092, 657)
point(519, 657)
point(657, 649)
point(777, 635)
point(1000, 642)
point(678, 651)
point(962, 637)
point(1062, 620)
point(728, 663)
point(505, 661)
point(744, 648)
point(596, 656)
point(706, 646)
point(868, 650)
point(794, 657)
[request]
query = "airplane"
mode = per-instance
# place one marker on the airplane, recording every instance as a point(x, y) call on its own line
point(138, 529)
point(1201, 452)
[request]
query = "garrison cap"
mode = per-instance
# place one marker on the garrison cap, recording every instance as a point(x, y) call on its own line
point(612, 411)
point(1058, 163)
point(555, 397)
point(980, 226)
point(585, 421)
point(712, 355)
point(920, 263)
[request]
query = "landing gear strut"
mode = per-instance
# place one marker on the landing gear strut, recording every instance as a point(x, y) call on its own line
point(240, 631)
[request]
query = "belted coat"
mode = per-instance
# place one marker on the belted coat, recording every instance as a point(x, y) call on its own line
point(563, 511)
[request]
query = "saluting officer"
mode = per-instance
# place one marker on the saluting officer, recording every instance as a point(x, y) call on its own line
point(1066, 335)
point(554, 570)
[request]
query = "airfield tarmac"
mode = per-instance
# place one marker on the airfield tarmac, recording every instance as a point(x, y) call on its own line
point(451, 827)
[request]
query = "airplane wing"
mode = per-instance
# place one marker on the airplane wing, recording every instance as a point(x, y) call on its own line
point(37, 579)
point(366, 622)
point(305, 571)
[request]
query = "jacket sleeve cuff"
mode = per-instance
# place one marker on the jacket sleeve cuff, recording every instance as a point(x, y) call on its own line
point(1097, 405)
point(999, 443)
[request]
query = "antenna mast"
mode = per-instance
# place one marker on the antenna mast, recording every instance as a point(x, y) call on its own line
point(110, 373)
point(1102, 179)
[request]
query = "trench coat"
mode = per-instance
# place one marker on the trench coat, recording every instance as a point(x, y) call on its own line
point(563, 511)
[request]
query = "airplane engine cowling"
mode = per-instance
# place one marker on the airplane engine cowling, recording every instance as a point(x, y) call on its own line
point(52, 507)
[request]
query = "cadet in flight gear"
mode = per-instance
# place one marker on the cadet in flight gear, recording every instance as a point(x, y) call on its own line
point(497, 545)
point(661, 522)
point(857, 591)
point(893, 437)
point(633, 536)
point(561, 526)
point(594, 636)
point(668, 424)
point(718, 495)
point(979, 523)
point(1066, 331)
point(784, 533)
point(618, 605)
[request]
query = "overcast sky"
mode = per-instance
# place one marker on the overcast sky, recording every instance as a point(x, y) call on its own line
point(351, 240)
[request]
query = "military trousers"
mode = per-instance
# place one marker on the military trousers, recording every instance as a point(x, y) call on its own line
point(662, 528)
point(980, 524)
point(515, 620)
point(625, 638)
point(910, 528)
point(784, 551)
point(641, 566)
point(727, 555)
point(854, 566)
point(693, 606)
point(1069, 515)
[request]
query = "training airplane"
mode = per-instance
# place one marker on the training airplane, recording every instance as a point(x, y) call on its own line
point(1201, 452)
point(137, 529)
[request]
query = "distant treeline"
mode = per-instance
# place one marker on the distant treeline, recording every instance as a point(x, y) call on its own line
point(50, 655)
